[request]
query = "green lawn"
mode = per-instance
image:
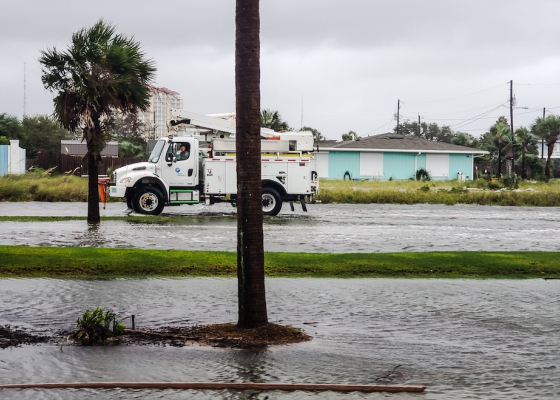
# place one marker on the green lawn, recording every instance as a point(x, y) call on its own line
point(77, 262)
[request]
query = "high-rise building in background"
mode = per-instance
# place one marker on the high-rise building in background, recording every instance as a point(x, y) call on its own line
point(158, 114)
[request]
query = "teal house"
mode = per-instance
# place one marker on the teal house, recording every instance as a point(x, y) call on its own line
point(390, 155)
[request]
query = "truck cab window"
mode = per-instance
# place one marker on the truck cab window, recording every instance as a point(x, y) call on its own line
point(183, 151)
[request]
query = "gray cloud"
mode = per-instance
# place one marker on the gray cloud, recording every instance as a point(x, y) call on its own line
point(351, 60)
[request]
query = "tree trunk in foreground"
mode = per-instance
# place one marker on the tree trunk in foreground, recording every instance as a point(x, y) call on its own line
point(250, 251)
point(93, 177)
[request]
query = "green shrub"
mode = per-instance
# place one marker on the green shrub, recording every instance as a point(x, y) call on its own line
point(422, 175)
point(95, 327)
point(510, 182)
point(495, 185)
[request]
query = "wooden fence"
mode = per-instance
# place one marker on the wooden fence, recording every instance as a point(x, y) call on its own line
point(66, 164)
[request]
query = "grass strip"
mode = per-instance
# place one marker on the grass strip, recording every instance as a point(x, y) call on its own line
point(88, 262)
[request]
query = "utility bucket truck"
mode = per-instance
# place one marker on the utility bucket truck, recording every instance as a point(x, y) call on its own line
point(197, 164)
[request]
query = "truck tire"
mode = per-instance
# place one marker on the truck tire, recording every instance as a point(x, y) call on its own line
point(271, 201)
point(148, 200)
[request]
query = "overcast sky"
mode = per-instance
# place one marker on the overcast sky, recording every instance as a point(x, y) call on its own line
point(350, 61)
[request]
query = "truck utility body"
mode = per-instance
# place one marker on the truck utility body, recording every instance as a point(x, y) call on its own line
point(200, 167)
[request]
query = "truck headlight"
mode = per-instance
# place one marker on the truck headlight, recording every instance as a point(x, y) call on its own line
point(125, 180)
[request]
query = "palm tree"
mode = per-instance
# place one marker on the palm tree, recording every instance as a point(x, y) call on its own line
point(527, 141)
point(548, 129)
point(250, 250)
point(502, 130)
point(101, 73)
point(272, 120)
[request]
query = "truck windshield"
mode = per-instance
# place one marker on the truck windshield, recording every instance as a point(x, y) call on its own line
point(156, 152)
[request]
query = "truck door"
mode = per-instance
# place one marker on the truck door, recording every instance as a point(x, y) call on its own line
point(180, 167)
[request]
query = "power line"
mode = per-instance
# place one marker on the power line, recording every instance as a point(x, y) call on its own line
point(458, 97)
point(376, 129)
point(476, 117)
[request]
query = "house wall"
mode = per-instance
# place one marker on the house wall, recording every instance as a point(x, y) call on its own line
point(395, 165)
point(4, 159)
point(399, 165)
point(342, 162)
point(421, 161)
point(12, 159)
point(461, 163)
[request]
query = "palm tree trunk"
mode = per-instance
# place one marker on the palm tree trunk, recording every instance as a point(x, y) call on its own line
point(523, 173)
point(550, 143)
point(499, 159)
point(250, 251)
point(93, 189)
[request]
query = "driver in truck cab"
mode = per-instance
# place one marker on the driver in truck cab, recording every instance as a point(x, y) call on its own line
point(183, 154)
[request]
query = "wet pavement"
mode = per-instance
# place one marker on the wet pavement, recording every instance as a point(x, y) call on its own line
point(461, 338)
point(337, 228)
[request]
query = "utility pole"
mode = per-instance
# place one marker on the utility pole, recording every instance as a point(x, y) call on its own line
point(511, 124)
point(24, 91)
point(419, 130)
point(398, 114)
point(301, 126)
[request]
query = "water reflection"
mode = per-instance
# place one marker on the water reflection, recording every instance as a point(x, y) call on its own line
point(464, 339)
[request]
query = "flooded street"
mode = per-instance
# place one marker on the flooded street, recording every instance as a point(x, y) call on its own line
point(491, 339)
point(336, 228)
point(462, 339)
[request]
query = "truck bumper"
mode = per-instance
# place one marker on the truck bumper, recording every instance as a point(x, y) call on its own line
point(117, 191)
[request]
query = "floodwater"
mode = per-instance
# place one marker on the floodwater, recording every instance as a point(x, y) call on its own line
point(466, 339)
point(462, 338)
point(336, 228)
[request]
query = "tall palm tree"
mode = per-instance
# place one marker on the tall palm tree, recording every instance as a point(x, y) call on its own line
point(502, 130)
point(250, 250)
point(526, 141)
point(101, 73)
point(548, 129)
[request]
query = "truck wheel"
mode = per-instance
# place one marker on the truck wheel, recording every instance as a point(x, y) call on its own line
point(271, 201)
point(148, 200)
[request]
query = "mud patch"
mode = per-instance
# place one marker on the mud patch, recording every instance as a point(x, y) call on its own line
point(11, 336)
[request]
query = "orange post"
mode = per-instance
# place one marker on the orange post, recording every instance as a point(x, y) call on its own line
point(103, 183)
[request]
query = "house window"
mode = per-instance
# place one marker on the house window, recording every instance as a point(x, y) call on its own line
point(371, 164)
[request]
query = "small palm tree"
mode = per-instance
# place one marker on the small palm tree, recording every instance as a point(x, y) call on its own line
point(548, 129)
point(527, 142)
point(100, 74)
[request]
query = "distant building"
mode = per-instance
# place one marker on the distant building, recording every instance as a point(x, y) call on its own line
point(79, 148)
point(390, 155)
point(12, 159)
point(543, 149)
point(157, 116)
